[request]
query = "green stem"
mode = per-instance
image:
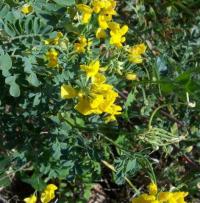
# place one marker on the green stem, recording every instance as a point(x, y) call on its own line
point(22, 36)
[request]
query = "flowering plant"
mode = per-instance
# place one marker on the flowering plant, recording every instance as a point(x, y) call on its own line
point(91, 93)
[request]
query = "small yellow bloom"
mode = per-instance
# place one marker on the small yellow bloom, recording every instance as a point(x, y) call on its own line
point(131, 76)
point(100, 87)
point(137, 59)
point(82, 44)
point(113, 110)
point(179, 196)
point(91, 69)
point(100, 33)
point(117, 34)
point(49, 193)
point(31, 199)
point(139, 49)
point(144, 198)
point(26, 9)
point(98, 79)
point(55, 40)
point(152, 188)
point(174, 197)
point(98, 5)
point(109, 99)
point(52, 58)
point(109, 9)
point(106, 7)
point(83, 106)
point(135, 53)
point(86, 12)
point(103, 21)
point(67, 92)
point(95, 100)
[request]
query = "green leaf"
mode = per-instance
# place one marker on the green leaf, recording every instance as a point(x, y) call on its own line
point(130, 99)
point(80, 122)
point(33, 80)
point(57, 150)
point(4, 180)
point(14, 90)
point(131, 165)
point(4, 10)
point(9, 30)
point(167, 87)
point(65, 2)
point(36, 25)
point(35, 181)
point(36, 100)
point(28, 24)
point(5, 64)
point(10, 79)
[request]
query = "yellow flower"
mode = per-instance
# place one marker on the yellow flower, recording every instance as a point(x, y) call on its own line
point(103, 21)
point(109, 99)
point(31, 199)
point(104, 6)
point(152, 188)
point(49, 193)
point(55, 40)
point(109, 9)
point(67, 92)
point(84, 107)
point(135, 58)
point(100, 4)
point(144, 198)
point(86, 12)
point(179, 196)
point(95, 100)
point(139, 49)
point(26, 9)
point(52, 58)
point(135, 53)
point(131, 76)
point(162, 197)
point(81, 46)
point(98, 79)
point(99, 97)
point(91, 69)
point(174, 197)
point(117, 34)
point(113, 110)
point(100, 33)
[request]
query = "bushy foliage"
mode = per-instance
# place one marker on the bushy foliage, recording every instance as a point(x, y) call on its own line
point(93, 89)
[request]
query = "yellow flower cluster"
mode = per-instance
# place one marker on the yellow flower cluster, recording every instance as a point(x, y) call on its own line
point(26, 9)
point(105, 10)
point(47, 195)
point(135, 53)
point(160, 197)
point(52, 58)
point(81, 46)
point(117, 34)
point(98, 99)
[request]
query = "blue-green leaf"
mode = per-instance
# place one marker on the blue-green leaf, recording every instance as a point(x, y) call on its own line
point(5, 64)
point(14, 90)
point(65, 2)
